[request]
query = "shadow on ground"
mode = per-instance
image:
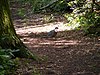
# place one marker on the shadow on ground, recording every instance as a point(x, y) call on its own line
point(69, 53)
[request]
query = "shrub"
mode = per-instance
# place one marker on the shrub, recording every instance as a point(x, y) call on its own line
point(7, 64)
point(90, 23)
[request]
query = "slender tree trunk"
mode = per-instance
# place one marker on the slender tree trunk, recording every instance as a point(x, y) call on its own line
point(8, 36)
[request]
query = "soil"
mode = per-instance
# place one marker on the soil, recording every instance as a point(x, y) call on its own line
point(69, 53)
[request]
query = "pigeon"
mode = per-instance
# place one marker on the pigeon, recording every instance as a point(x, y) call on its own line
point(52, 33)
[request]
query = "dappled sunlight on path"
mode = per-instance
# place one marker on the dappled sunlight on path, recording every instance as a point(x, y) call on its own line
point(37, 24)
point(69, 53)
point(43, 28)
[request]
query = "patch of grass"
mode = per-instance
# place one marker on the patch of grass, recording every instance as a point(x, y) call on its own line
point(35, 72)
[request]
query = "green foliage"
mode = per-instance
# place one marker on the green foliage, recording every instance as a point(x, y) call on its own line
point(73, 20)
point(21, 12)
point(84, 16)
point(7, 65)
point(35, 72)
point(90, 22)
point(76, 3)
point(60, 6)
point(7, 39)
point(48, 18)
point(36, 5)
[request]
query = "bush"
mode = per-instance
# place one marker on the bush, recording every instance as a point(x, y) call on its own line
point(7, 64)
point(53, 6)
point(90, 23)
point(73, 20)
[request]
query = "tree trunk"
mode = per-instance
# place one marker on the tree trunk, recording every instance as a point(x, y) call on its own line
point(8, 36)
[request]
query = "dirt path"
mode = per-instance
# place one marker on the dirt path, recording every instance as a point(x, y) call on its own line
point(69, 53)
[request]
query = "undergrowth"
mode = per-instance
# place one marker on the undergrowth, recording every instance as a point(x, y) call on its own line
point(7, 64)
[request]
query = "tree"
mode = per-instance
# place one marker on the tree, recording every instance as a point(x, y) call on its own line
point(8, 37)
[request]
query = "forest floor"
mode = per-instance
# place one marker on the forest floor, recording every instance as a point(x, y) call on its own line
point(69, 53)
